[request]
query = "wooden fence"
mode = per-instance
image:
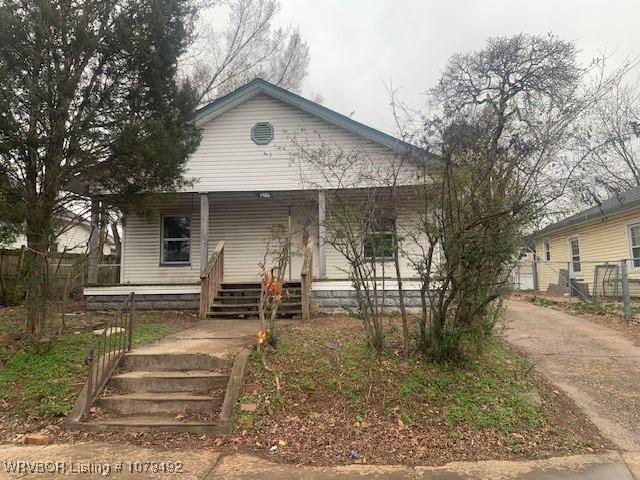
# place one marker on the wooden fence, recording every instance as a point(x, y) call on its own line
point(67, 274)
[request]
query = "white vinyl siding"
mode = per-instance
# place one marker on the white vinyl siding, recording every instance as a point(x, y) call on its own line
point(244, 222)
point(337, 267)
point(141, 245)
point(227, 159)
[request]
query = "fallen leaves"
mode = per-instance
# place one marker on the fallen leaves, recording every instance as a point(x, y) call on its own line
point(35, 439)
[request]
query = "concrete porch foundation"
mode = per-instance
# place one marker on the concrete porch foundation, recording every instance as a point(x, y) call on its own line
point(146, 301)
point(329, 296)
point(339, 301)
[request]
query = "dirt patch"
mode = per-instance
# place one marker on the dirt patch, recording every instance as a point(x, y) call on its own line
point(324, 400)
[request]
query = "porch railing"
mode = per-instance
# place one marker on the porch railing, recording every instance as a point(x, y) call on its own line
point(211, 278)
point(113, 343)
point(306, 279)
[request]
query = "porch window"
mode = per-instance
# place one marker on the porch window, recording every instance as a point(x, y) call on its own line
point(634, 244)
point(380, 243)
point(574, 253)
point(176, 240)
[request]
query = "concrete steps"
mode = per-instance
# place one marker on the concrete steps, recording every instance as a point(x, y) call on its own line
point(173, 362)
point(169, 403)
point(169, 392)
point(193, 381)
point(158, 423)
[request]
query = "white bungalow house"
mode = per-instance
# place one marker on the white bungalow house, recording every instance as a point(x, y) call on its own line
point(245, 180)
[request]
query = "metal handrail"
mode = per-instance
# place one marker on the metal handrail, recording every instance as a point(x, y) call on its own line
point(211, 278)
point(111, 346)
point(306, 279)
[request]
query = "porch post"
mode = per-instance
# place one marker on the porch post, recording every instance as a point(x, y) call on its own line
point(322, 230)
point(94, 242)
point(204, 230)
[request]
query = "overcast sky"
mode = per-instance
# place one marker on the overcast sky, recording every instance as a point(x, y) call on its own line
point(358, 45)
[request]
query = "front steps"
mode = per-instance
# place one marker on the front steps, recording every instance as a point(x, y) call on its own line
point(240, 300)
point(192, 381)
point(173, 392)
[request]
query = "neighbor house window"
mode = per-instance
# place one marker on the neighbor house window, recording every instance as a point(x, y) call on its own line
point(574, 253)
point(547, 251)
point(176, 240)
point(634, 242)
point(380, 243)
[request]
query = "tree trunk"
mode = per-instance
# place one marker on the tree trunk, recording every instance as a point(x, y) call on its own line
point(102, 239)
point(403, 310)
point(37, 273)
point(425, 312)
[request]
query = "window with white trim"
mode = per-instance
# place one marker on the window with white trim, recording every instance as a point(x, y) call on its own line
point(634, 244)
point(546, 246)
point(175, 248)
point(380, 243)
point(574, 254)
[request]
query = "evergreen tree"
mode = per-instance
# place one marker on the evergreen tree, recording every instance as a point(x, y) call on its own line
point(89, 102)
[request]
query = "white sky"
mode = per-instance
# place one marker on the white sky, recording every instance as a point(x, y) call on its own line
point(357, 46)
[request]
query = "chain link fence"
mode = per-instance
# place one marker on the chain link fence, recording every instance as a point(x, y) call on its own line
point(610, 283)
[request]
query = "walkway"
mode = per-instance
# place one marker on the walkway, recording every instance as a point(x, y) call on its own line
point(224, 338)
point(118, 461)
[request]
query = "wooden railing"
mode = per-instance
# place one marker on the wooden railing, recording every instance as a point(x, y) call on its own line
point(211, 278)
point(113, 343)
point(306, 279)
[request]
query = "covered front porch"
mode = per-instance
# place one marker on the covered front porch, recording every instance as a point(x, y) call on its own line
point(180, 255)
point(191, 242)
point(174, 243)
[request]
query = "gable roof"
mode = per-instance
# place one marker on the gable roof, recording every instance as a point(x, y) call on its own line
point(257, 86)
point(616, 204)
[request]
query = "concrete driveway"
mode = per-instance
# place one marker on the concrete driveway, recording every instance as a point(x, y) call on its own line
point(598, 367)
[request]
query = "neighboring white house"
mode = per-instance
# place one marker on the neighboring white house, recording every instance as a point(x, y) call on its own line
point(72, 236)
point(245, 181)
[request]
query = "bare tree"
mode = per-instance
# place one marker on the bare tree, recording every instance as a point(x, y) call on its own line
point(473, 211)
point(610, 141)
point(506, 113)
point(246, 47)
point(364, 194)
point(273, 270)
point(523, 85)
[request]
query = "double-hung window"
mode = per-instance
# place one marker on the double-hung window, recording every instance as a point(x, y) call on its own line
point(175, 248)
point(547, 251)
point(380, 243)
point(574, 254)
point(634, 244)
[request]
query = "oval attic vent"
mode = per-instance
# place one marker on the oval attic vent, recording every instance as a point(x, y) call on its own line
point(262, 133)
